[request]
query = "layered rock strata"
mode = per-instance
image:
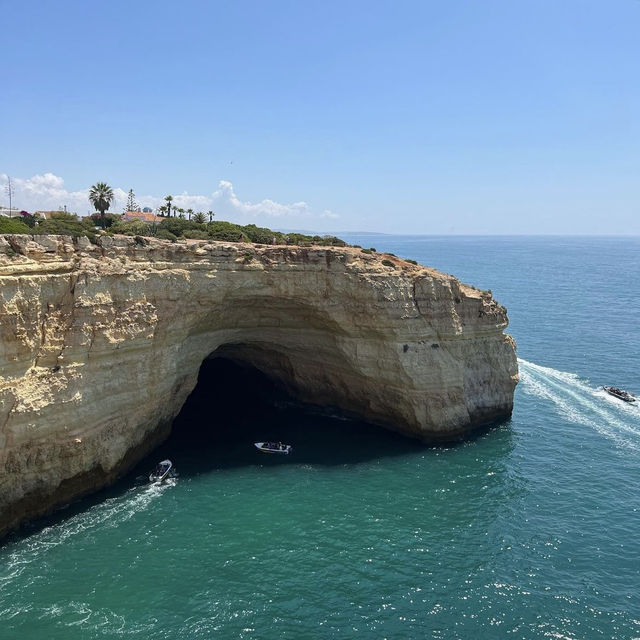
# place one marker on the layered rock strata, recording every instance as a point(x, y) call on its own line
point(100, 345)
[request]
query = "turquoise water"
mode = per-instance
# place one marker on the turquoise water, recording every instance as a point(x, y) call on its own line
point(530, 530)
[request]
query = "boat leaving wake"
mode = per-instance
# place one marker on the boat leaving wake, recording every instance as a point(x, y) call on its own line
point(583, 404)
point(110, 513)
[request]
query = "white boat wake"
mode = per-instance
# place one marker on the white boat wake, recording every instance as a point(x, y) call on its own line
point(583, 404)
point(110, 513)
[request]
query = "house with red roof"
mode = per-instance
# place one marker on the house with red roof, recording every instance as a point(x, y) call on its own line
point(143, 216)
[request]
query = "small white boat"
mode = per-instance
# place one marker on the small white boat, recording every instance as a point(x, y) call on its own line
point(162, 472)
point(274, 447)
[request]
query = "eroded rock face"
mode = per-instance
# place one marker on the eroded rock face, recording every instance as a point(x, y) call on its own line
point(101, 345)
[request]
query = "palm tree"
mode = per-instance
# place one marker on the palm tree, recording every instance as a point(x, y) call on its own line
point(162, 209)
point(200, 218)
point(190, 212)
point(168, 200)
point(211, 214)
point(101, 196)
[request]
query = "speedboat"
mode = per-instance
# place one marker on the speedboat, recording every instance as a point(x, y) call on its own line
point(620, 394)
point(274, 447)
point(162, 472)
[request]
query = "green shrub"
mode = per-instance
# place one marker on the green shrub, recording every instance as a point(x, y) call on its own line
point(305, 240)
point(13, 225)
point(177, 226)
point(299, 239)
point(372, 249)
point(388, 263)
point(248, 257)
point(89, 224)
point(163, 234)
point(227, 231)
point(196, 234)
point(132, 228)
point(411, 261)
point(365, 250)
point(63, 225)
point(64, 216)
point(95, 220)
point(259, 235)
point(230, 232)
point(28, 219)
point(140, 241)
point(332, 241)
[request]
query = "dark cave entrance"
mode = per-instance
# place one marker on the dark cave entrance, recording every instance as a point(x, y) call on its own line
point(232, 400)
point(234, 404)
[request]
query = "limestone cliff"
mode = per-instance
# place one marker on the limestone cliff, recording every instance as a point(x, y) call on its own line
point(101, 345)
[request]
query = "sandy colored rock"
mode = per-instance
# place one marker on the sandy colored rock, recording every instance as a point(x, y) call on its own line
point(101, 345)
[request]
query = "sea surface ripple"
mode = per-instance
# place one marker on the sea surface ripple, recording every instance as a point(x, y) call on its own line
point(529, 530)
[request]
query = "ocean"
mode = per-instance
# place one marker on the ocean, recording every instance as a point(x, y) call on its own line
point(528, 530)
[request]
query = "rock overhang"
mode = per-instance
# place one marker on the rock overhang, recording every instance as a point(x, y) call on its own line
point(102, 343)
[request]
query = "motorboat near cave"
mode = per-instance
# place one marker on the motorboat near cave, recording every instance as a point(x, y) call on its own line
point(163, 471)
point(621, 394)
point(274, 447)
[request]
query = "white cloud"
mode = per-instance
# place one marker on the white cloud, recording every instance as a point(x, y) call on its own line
point(226, 198)
point(48, 192)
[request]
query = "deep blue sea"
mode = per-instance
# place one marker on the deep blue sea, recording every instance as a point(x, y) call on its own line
point(530, 530)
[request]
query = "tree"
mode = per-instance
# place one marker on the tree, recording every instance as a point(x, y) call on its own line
point(168, 200)
point(162, 209)
point(190, 212)
point(211, 214)
point(109, 219)
point(28, 219)
point(200, 218)
point(132, 205)
point(101, 196)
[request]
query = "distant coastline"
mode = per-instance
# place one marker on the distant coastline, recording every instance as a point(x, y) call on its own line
point(460, 235)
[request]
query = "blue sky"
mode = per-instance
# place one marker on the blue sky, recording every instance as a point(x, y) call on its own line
point(468, 116)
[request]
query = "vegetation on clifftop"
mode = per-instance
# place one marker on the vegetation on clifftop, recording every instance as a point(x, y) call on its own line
point(60, 223)
point(165, 229)
point(175, 228)
point(172, 229)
